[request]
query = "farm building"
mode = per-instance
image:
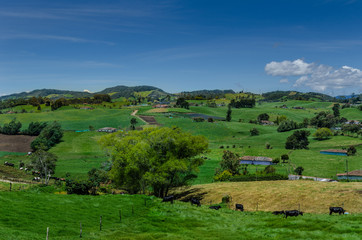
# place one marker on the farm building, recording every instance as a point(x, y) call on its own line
point(352, 122)
point(107, 129)
point(86, 108)
point(353, 175)
point(265, 122)
point(256, 160)
point(339, 152)
point(160, 106)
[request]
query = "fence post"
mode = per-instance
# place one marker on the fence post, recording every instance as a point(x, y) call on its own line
point(100, 223)
point(80, 233)
point(10, 186)
point(47, 233)
point(120, 215)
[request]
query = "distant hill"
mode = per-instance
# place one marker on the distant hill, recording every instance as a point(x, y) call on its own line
point(127, 92)
point(114, 92)
point(206, 94)
point(49, 93)
point(293, 95)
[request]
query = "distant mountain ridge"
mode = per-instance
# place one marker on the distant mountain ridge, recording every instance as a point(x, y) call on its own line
point(154, 93)
point(294, 95)
point(114, 92)
point(50, 93)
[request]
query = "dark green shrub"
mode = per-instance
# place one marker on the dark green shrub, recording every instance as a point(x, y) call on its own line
point(262, 177)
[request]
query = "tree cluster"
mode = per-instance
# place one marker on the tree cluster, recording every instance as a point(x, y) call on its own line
point(298, 140)
point(154, 159)
point(11, 128)
point(324, 119)
point(288, 125)
point(243, 102)
point(48, 137)
point(352, 129)
point(182, 103)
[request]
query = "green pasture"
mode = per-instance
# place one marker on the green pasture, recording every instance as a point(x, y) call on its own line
point(237, 134)
point(75, 119)
point(77, 154)
point(27, 214)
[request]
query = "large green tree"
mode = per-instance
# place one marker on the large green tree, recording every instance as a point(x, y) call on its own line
point(322, 133)
point(157, 159)
point(298, 140)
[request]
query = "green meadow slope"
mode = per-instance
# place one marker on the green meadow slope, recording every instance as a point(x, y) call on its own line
point(26, 214)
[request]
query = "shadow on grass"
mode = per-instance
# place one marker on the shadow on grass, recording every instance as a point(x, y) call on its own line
point(187, 194)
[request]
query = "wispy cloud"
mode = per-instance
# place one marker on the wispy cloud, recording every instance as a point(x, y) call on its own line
point(318, 77)
point(52, 37)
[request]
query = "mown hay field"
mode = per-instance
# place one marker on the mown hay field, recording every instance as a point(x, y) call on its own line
point(310, 196)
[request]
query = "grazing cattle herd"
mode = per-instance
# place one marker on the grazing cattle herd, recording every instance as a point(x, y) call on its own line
point(240, 207)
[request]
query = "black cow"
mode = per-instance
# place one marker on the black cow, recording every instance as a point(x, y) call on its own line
point(336, 210)
point(215, 207)
point(195, 201)
point(292, 213)
point(168, 199)
point(239, 207)
point(278, 212)
point(9, 164)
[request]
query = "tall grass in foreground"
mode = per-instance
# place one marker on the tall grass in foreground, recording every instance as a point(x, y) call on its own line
point(26, 215)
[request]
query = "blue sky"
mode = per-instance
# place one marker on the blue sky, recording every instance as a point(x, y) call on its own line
point(249, 45)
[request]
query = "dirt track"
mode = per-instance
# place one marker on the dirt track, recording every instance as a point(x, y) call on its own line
point(15, 143)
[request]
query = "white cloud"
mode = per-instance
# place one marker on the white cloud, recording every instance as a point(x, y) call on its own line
point(86, 90)
point(317, 77)
point(287, 68)
point(284, 80)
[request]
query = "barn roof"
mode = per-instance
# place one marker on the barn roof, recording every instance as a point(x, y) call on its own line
point(255, 158)
point(335, 150)
point(352, 173)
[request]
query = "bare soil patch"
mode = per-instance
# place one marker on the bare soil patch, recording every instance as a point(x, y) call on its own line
point(15, 143)
point(149, 120)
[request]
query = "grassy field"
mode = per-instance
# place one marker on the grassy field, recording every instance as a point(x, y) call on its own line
point(76, 119)
point(79, 152)
point(27, 214)
point(311, 196)
point(234, 133)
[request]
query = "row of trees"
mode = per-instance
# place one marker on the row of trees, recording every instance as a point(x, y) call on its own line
point(14, 128)
point(48, 137)
point(55, 104)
